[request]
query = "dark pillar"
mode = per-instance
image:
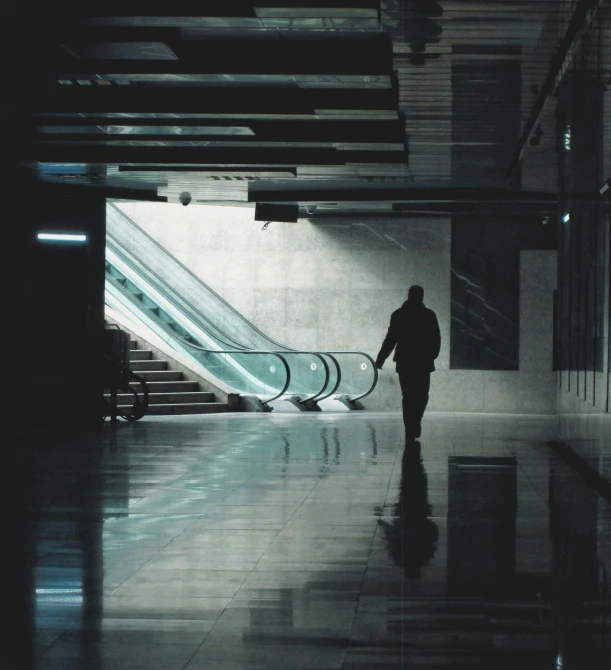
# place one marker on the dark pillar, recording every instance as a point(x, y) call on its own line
point(63, 310)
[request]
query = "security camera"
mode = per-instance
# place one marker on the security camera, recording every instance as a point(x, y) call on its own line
point(535, 140)
point(185, 198)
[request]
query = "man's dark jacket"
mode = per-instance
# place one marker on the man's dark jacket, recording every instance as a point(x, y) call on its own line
point(414, 331)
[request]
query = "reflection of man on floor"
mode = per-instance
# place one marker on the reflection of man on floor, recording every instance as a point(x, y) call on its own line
point(414, 331)
point(412, 535)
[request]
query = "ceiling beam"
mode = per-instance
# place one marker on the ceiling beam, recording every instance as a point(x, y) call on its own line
point(509, 207)
point(264, 131)
point(308, 192)
point(208, 99)
point(340, 133)
point(244, 8)
point(334, 54)
point(103, 188)
point(220, 156)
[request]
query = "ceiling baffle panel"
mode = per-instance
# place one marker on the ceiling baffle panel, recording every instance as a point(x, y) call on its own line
point(377, 93)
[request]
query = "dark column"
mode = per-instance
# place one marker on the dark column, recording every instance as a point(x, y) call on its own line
point(63, 310)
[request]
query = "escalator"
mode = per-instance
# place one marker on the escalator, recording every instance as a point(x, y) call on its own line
point(191, 317)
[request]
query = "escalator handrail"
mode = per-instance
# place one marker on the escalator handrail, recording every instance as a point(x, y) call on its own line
point(373, 365)
point(247, 352)
point(162, 286)
point(166, 290)
point(339, 376)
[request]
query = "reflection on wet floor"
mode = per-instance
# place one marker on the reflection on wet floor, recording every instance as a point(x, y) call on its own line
point(315, 541)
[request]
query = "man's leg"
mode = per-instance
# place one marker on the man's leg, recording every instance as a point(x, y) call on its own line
point(420, 394)
point(404, 379)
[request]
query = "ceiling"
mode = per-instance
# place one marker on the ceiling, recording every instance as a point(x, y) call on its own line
point(342, 107)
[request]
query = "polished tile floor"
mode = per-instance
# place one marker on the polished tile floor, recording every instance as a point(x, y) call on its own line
point(268, 541)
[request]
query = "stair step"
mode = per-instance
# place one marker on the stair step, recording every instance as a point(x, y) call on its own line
point(170, 387)
point(160, 375)
point(138, 366)
point(169, 398)
point(140, 355)
point(186, 408)
point(133, 344)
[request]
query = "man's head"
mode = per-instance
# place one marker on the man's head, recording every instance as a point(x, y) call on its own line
point(415, 293)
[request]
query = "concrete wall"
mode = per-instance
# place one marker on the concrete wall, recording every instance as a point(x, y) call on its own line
point(333, 285)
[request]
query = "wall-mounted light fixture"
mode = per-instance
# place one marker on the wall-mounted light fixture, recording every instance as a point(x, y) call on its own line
point(567, 139)
point(62, 237)
point(566, 218)
point(605, 187)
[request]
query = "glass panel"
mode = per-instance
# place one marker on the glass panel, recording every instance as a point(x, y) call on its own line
point(358, 374)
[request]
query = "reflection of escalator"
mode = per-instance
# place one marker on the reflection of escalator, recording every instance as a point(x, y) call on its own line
point(352, 375)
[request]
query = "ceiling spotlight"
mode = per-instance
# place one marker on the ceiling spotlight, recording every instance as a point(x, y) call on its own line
point(310, 209)
point(535, 139)
point(185, 198)
point(566, 218)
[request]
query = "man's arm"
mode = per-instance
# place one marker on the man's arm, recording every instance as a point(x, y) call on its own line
point(390, 342)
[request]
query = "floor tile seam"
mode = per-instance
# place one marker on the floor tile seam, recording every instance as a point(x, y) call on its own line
point(364, 574)
point(149, 559)
point(353, 645)
point(587, 476)
point(291, 518)
point(533, 488)
point(118, 586)
point(57, 641)
point(221, 614)
point(395, 465)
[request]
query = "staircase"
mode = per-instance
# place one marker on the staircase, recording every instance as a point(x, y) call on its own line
point(169, 393)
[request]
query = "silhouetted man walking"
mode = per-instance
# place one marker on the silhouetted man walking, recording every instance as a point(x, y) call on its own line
point(414, 331)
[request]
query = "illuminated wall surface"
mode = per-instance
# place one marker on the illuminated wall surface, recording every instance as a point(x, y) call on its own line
point(333, 285)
